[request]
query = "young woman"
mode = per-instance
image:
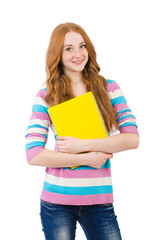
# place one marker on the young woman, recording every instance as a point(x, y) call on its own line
point(83, 194)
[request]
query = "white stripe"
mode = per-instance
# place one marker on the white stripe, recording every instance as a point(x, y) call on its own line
point(116, 93)
point(37, 130)
point(34, 139)
point(40, 101)
point(77, 182)
point(43, 123)
point(128, 121)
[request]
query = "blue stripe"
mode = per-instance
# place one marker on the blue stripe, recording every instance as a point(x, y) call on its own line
point(125, 116)
point(124, 110)
point(118, 100)
point(55, 137)
point(37, 126)
point(128, 124)
point(106, 165)
point(39, 108)
point(44, 89)
point(34, 144)
point(110, 81)
point(77, 190)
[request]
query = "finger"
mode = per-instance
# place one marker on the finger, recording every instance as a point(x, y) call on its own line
point(59, 143)
point(61, 146)
point(110, 155)
point(60, 138)
point(62, 149)
point(63, 138)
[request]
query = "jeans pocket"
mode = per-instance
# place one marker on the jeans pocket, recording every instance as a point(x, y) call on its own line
point(47, 204)
point(108, 204)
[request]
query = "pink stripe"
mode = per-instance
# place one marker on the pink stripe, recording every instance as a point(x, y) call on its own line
point(66, 173)
point(32, 152)
point(120, 106)
point(41, 93)
point(76, 199)
point(36, 135)
point(40, 115)
point(129, 129)
point(111, 87)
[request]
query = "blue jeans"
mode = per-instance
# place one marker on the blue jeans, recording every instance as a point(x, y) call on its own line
point(98, 221)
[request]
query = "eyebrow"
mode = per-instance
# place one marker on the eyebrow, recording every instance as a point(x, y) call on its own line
point(69, 45)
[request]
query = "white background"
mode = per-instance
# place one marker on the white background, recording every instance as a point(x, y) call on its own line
point(125, 36)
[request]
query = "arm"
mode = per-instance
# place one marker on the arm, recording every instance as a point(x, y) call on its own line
point(48, 158)
point(37, 131)
point(112, 144)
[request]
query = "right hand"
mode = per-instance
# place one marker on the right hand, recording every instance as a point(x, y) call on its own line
point(97, 159)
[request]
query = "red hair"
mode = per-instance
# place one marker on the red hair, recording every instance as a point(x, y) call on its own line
point(59, 88)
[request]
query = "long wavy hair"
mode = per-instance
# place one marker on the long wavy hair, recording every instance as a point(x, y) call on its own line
point(59, 87)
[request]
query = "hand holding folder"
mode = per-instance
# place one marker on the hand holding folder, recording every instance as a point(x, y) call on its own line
point(79, 117)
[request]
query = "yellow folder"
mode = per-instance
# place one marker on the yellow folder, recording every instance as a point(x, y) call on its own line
point(79, 117)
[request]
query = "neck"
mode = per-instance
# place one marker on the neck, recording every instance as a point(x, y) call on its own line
point(76, 78)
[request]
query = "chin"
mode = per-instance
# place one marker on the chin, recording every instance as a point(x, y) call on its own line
point(79, 68)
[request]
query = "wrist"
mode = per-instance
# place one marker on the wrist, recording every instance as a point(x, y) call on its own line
point(81, 159)
point(85, 145)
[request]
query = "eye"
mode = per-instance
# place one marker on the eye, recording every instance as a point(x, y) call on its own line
point(83, 46)
point(68, 49)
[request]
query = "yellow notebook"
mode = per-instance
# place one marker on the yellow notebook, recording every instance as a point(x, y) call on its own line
point(79, 117)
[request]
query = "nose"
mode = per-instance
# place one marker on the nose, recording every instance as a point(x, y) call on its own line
point(77, 53)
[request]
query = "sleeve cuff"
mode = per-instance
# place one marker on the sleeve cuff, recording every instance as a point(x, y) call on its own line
point(129, 129)
point(32, 152)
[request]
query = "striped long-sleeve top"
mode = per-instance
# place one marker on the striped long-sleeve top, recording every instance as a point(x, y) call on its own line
point(83, 185)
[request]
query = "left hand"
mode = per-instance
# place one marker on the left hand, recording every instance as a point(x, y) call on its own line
point(69, 145)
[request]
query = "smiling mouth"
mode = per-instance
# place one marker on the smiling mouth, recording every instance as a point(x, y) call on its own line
point(77, 62)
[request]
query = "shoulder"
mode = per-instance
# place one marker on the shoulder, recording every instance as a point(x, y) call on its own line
point(115, 92)
point(39, 100)
point(42, 93)
point(112, 85)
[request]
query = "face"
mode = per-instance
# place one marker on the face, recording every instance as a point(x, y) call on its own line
point(74, 55)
